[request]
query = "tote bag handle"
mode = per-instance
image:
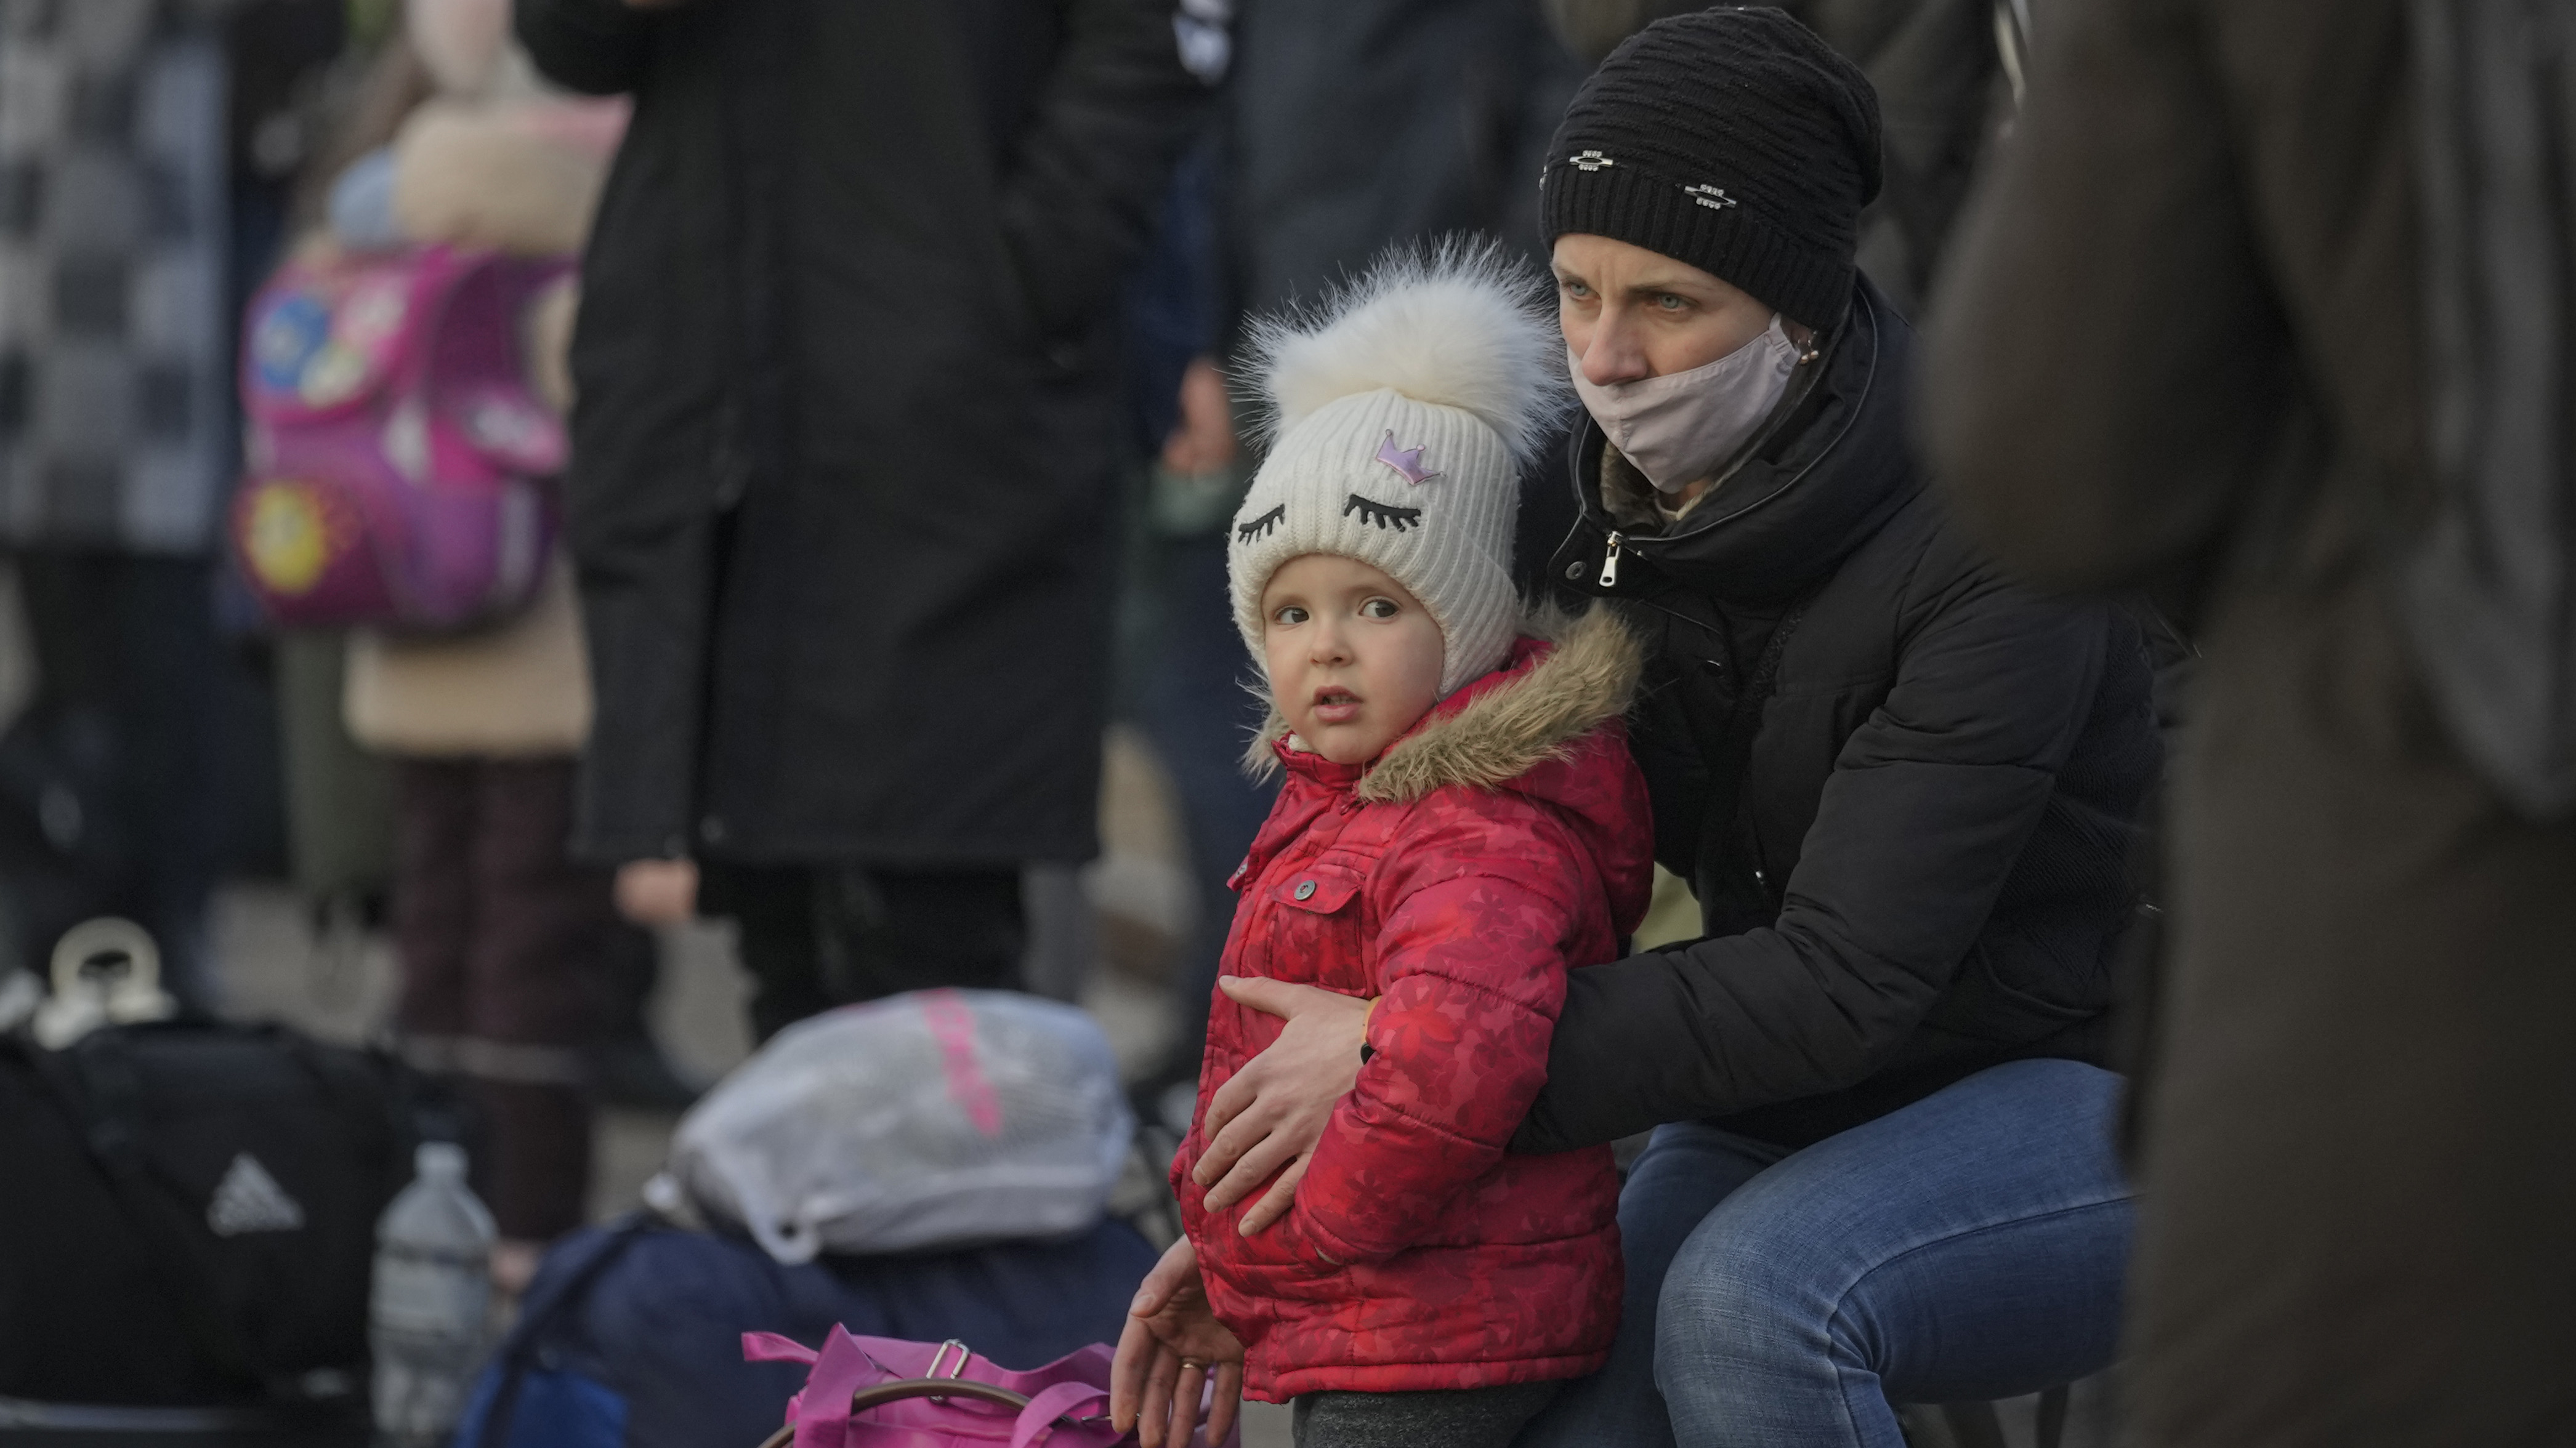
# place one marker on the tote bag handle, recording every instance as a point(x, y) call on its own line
point(1049, 1405)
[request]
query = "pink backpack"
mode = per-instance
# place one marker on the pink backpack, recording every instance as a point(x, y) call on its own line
point(399, 464)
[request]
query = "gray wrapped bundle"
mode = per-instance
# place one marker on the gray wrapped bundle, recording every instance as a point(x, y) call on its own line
point(935, 1119)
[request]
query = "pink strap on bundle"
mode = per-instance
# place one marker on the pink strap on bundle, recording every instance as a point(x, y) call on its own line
point(952, 1025)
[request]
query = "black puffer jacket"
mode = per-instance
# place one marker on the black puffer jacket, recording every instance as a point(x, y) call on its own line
point(840, 492)
point(1909, 847)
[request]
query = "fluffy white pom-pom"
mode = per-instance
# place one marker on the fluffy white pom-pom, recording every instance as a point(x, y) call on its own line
point(1458, 324)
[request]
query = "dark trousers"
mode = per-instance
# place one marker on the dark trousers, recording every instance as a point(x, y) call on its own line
point(1456, 1418)
point(504, 943)
point(814, 937)
point(108, 803)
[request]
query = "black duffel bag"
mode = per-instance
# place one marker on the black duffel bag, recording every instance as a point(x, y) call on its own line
point(188, 1222)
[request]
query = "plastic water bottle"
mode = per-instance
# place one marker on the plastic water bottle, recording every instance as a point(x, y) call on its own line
point(433, 1296)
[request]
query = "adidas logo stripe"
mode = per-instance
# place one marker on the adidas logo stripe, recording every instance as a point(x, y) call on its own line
point(248, 1199)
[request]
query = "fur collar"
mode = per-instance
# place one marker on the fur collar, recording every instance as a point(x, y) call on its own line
point(1509, 728)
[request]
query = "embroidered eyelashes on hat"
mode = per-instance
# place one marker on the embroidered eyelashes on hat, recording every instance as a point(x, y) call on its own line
point(1263, 524)
point(1384, 515)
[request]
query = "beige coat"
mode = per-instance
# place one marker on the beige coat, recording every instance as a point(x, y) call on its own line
point(517, 690)
point(509, 173)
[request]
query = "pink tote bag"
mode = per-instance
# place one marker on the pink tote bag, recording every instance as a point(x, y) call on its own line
point(876, 1392)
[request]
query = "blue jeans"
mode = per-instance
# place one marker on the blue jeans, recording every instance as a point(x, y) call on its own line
point(1971, 1245)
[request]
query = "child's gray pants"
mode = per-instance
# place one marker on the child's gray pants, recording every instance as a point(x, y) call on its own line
point(1459, 1418)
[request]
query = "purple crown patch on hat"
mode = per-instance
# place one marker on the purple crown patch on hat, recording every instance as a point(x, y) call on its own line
point(1405, 460)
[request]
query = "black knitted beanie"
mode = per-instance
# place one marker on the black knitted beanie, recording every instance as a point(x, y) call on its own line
point(1732, 139)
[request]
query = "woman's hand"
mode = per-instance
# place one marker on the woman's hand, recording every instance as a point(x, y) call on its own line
point(1273, 1111)
point(1171, 1344)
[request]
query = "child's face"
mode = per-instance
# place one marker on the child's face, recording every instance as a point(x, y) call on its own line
point(1354, 660)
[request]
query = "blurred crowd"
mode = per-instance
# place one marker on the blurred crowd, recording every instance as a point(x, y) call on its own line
point(862, 461)
point(896, 478)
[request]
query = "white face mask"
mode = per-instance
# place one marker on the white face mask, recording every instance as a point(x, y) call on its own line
point(1678, 428)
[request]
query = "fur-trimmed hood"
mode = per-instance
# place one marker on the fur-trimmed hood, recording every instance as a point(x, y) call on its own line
point(1578, 676)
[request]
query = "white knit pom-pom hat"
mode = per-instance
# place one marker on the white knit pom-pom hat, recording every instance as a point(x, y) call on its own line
point(1400, 413)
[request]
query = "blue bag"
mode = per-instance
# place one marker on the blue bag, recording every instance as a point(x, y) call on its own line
point(631, 1335)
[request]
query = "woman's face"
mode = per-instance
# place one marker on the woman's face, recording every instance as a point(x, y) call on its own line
point(1630, 314)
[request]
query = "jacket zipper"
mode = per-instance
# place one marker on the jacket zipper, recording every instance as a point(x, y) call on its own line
point(1610, 563)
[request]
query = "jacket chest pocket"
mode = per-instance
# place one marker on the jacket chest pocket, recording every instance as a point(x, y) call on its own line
point(1315, 931)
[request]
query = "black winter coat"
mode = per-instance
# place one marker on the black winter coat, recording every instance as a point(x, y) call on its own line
point(842, 456)
point(1903, 789)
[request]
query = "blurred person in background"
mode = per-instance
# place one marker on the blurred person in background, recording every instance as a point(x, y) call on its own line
point(1351, 128)
point(1185, 675)
point(842, 454)
point(505, 942)
point(1344, 130)
point(2193, 341)
point(119, 128)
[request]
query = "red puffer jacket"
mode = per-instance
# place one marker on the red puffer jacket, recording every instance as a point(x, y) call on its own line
point(1503, 840)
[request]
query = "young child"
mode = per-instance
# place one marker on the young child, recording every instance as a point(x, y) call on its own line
point(1460, 825)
